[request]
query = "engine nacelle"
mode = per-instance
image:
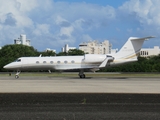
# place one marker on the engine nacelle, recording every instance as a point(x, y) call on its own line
point(94, 58)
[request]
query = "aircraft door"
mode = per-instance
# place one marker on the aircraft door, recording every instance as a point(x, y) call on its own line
point(83, 64)
point(24, 63)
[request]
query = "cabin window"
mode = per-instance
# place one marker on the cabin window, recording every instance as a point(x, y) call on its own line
point(65, 62)
point(44, 61)
point(37, 62)
point(19, 60)
point(58, 62)
point(51, 62)
point(72, 61)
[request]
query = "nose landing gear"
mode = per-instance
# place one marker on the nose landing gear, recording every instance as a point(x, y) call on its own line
point(17, 74)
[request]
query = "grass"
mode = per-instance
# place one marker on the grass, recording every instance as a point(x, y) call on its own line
point(88, 74)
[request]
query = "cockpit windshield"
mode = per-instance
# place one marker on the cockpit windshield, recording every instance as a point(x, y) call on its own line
point(18, 60)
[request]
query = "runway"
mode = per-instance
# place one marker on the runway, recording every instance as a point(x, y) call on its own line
point(72, 98)
point(49, 84)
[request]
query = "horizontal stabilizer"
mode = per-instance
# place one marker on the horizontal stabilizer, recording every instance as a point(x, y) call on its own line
point(145, 38)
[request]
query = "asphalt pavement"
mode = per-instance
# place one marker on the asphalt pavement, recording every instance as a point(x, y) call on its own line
point(104, 106)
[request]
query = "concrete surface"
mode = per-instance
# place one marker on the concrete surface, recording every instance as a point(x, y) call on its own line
point(40, 84)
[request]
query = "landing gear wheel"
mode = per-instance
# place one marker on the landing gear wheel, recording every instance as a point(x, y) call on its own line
point(16, 76)
point(82, 76)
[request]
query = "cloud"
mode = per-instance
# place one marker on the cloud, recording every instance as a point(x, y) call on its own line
point(86, 38)
point(62, 22)
point(50, 24)
point(41, 29)
point(145, 11)
point(142, 18)
point(9, 20)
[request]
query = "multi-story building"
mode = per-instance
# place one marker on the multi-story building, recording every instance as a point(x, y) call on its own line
point(22, 40)
point(94, 47)
point(145, 52)
point(66, 48)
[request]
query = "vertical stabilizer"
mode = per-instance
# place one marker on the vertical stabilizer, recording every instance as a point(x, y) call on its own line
point(131, 48)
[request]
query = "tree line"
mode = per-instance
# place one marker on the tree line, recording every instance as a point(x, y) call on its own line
point(149, 64)
point(9, 53)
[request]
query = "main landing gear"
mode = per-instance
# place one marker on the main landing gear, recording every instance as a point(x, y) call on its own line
point(81, 74)
point(17, 74)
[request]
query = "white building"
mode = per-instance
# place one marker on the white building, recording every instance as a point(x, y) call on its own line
point(48, 49)
point(22, 40)
point(113, 51)
point(66, 48)
point(94, 47)
point(145, 52)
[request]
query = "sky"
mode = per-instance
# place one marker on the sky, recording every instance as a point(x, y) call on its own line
point(54, 23)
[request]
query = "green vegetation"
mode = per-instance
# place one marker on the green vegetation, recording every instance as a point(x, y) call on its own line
point(84, 101)
point(10, 53)
point(71, 52)
point(150, 64)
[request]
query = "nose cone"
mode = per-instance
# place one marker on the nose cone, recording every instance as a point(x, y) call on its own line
point(12, 66)
point(7, 66)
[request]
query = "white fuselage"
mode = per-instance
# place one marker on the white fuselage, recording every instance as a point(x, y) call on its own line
point(58, 62)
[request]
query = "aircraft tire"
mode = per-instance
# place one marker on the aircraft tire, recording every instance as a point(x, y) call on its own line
point(82, 76)
point(16, 76)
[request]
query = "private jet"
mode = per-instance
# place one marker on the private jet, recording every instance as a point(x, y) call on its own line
point(128, 53)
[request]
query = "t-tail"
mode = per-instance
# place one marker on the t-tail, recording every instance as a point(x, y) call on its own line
point(130, 50)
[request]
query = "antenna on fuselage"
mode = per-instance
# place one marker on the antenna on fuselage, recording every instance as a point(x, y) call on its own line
point(40, 55)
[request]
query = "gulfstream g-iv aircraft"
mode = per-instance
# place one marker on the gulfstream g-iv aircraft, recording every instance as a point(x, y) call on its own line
point(128, 53)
